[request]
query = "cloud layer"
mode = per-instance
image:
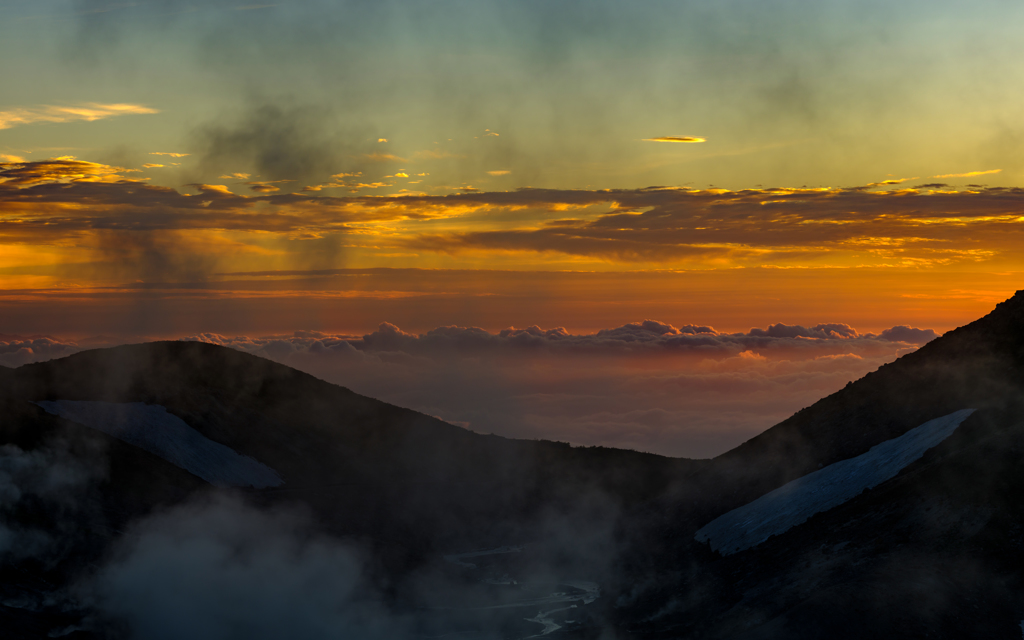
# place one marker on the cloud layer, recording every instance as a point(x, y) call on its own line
point(17, 350)
point(71, 203)
point(684, 391)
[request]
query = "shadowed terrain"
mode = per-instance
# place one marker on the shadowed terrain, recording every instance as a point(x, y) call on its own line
point(482, 536)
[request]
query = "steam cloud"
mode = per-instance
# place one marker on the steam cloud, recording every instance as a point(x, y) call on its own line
point(277, 142)
point(218, 568)
point(52, 484)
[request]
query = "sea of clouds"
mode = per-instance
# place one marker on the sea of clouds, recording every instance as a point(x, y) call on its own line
point(685, 390)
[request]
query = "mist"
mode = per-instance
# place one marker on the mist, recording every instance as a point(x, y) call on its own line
point(218, 568)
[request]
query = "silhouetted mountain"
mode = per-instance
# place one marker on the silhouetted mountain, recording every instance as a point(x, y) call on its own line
point(117, 459)
point(933, 552)
point(406, 485)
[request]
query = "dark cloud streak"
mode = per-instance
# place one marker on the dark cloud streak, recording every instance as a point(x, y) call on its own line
point(279, 142)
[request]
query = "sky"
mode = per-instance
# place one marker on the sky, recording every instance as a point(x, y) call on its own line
point(285, 173)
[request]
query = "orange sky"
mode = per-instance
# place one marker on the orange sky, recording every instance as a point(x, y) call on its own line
point(138, 259)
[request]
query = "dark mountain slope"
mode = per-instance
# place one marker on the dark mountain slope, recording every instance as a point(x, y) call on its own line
point(408, 487)
point(980, 365)
point(364, 466)
point(937, 551)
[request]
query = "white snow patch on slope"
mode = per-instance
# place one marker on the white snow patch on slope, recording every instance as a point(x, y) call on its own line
point(793, 503)
point(151, 427)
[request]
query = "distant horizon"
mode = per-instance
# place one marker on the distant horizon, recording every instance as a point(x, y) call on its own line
point(688, 391)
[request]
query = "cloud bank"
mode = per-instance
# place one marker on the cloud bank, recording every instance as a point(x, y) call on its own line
point(17, 350)
point(687, 391)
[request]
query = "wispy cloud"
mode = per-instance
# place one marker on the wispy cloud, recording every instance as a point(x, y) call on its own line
point(165, 153)
point(502, 172)
point(969, 174)
point(890, 181)
point(434, 154)
point(688, 139)
point(383, 157)
point(87, 112)
point(265, 186)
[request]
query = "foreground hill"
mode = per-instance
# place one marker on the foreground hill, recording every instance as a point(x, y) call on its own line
point(485, 537)
point(935, 551)
point(407, 485)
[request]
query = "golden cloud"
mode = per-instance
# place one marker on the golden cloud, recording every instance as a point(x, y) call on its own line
point(501, 172)
point(890, 182)
point(58, 200)
point(87, 112)
point(64, 169)
point(166, 153)
point(969, 174)
point(689, 139)
point(208, 189)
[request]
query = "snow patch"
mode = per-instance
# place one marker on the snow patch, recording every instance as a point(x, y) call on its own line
point(151, 427)
point(793, 503)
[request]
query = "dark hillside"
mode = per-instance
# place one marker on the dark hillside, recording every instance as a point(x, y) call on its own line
point(345, 454)
point(980, 365)
point(937, 551)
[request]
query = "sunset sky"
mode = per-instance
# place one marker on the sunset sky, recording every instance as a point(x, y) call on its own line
point(317, 170)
